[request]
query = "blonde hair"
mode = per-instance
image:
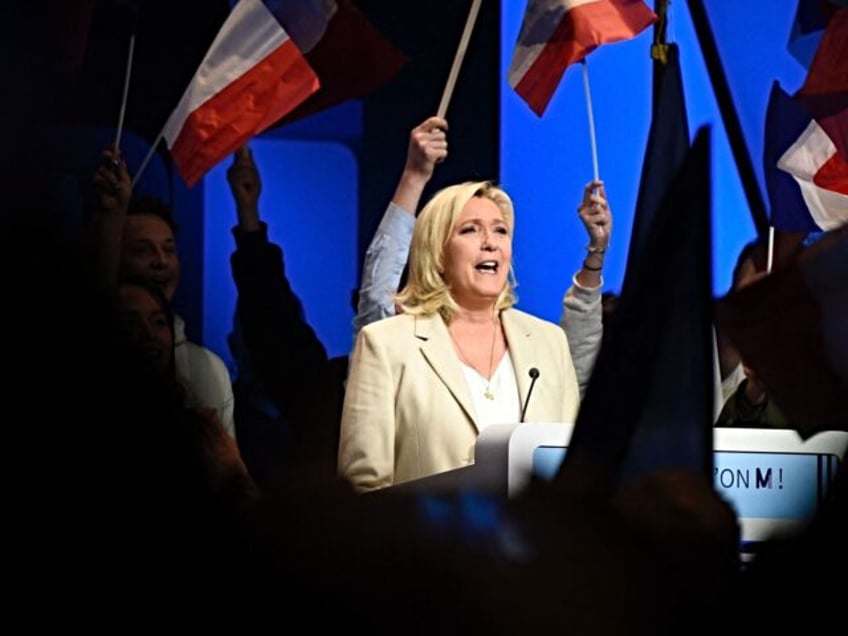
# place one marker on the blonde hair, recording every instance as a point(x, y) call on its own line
point(425, 291)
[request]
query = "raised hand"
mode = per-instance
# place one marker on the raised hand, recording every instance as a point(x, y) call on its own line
point(428, 145)
point(245, 184)
point(596, 216)
point(113, 183)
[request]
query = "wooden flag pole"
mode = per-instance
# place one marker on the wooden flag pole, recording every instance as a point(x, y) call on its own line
point(460, 55)
point(595, 172)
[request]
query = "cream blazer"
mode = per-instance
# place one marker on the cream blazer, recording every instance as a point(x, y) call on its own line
point(408, 411)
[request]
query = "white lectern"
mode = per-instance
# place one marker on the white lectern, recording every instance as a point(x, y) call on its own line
point(772, 478)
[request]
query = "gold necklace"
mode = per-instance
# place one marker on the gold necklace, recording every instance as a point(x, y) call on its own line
point(487, 392)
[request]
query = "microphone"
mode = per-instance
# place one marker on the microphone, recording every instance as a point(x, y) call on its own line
point(534, 375)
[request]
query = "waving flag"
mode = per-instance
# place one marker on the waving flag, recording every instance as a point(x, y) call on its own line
point(556, 33)
point(349, 55)
point(825, 90)
point(252, 75)
point(786, 120)
point(811, 18)
point(822, 175)
point(817, 158)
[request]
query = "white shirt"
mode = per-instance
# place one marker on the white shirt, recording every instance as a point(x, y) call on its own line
point(205, 377)
point(505, 405)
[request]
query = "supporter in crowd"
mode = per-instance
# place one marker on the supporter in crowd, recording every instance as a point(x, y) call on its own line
point(135, 236)
point(287, 361)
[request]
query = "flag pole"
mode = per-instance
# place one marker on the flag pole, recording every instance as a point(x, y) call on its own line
point(460, 55)
point(123, 110)
point(770, 249)
point(595, 171)
point(147, 158)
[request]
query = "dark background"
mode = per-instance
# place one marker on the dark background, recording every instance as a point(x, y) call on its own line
point(64, 92)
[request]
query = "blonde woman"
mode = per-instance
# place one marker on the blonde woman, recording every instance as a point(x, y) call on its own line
point(458, 358)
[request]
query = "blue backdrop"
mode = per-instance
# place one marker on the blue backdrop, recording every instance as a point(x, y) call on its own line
point(311, 190)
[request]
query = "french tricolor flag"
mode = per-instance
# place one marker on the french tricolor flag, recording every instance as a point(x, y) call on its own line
point(807, 140)
point(825, 90)
point(786, 121)
point(821, 173)
point(556, 33)
point(252, 75)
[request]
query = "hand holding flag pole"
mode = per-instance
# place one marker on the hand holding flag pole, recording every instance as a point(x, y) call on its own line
point(460, 55)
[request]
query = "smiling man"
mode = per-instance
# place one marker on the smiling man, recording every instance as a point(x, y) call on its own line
point(135, 237)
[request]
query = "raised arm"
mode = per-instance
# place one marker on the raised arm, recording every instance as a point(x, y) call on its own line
point(428, 145)
point(581, 306)
point(113, 185)
point(386, 255)
point(289, 358)
point(246, 186)
point(275, 329)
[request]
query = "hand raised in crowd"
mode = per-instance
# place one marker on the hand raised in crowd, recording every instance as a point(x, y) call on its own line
point(596, 216)
point(113, 186)
point(113, 182)
point(428, 145)
point(597, 219)
point(245, 184)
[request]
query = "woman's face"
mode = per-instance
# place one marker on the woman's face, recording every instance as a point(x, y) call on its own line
point(478, 254)
point(146, 323)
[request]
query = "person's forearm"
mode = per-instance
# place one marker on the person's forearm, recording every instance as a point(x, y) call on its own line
point(590, 271)
point(248, 218)
point(383, 267)
point(107, 231)
point(582, 321)
point(409, 190)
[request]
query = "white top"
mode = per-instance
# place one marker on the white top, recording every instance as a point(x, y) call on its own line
point(504, 407)
point(204, 376)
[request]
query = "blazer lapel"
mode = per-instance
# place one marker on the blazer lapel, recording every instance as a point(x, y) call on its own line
point(438, 350)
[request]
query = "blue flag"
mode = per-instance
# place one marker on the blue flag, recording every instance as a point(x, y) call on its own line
point(649, 404)
point(807, 29)
point(668, 143)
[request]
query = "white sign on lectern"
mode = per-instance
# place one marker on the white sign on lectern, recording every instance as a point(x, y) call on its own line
point(773, 479)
